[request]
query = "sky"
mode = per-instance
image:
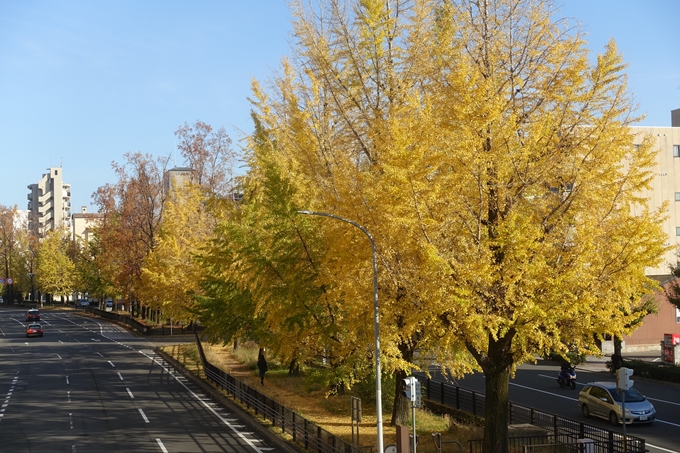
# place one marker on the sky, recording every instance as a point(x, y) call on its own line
point(82, 82)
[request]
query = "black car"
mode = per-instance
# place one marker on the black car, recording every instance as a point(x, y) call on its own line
point(32, 315)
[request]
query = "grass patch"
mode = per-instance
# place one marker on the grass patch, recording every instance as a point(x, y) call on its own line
point(330, 412)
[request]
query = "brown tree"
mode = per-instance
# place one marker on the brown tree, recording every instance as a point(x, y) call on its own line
point(133, 209)
point(209, 155)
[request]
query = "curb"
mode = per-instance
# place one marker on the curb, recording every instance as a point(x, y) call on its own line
point(262, 430)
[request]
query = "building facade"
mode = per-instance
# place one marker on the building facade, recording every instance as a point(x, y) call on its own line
point(665, 189)
point(49, 203)
point(83, 224)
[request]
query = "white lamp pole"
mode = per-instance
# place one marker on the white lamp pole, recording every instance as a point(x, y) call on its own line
point(376, 324)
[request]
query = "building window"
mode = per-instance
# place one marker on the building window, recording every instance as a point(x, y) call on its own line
point(677, 231)
point(677, 196)
point(676, 150)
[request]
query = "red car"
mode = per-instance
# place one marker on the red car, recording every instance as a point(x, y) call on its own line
point(34, 330)
point(32, 315)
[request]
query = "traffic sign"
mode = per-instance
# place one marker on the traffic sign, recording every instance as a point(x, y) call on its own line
point(10, 281)
point(2, 281)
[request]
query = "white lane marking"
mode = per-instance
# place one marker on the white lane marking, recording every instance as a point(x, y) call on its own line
point(111, 363)
point(120, 376)
point(660, 448)
point(70, 419)
point(68, 395)
point(59, 356)
point(67, 380)
point(225, 421)
point(130, 393)
point(160, 444)
point(100, 354)
point(73, 449)
point(146, 420)
point(61, 342)
point(543, 391)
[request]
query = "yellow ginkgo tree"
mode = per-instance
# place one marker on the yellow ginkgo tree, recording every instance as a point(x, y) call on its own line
point(493, 164)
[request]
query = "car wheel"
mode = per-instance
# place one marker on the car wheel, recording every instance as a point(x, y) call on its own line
point(585, 411)
point(613, 418)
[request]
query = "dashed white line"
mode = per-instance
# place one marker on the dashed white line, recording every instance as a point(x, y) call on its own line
point(160, 444)
point(68, 395)
point(100, 354)
point(70, 419)
point(120, 376)
point(67, 380)
point(141, 412)
point(111, 363)
point(130, 393)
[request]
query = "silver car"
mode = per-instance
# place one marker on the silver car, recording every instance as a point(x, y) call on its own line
point(601, 399)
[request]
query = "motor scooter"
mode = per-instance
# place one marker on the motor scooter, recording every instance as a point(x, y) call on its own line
point(567, 378)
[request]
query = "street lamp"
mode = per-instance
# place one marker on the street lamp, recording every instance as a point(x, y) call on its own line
point(376, 325)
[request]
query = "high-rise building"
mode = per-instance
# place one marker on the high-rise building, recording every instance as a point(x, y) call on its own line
point(49, 203)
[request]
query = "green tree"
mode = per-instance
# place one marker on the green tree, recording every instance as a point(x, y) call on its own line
point(493, 164)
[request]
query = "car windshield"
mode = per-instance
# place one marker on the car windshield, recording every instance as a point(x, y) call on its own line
point(632, 396)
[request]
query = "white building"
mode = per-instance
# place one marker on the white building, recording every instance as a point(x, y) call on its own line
point(49, 203)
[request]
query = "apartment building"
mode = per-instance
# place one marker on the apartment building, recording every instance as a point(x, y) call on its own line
point(49, 203)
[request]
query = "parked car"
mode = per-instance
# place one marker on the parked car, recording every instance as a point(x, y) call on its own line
point(34, 330)
point(601, 399)
point(33, 315)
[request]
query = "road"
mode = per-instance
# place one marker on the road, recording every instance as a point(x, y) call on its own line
point(535, 386)
point(89, 385)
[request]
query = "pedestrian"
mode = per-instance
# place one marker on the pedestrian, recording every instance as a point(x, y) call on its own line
point(261, 365)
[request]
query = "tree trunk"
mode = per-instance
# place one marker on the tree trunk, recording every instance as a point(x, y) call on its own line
point(496, 411)
point(617, 345)
point(401, 407)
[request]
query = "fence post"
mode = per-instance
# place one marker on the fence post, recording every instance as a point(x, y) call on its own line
point(457, 397)
point(306, 434)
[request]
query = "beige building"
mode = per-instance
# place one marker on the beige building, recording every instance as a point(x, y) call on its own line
point(49, 203)
point(666, 185)
point(83, 223)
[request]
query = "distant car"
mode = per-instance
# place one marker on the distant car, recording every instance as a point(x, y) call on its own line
point(33, 315)
point(34, 330)
point(1, 301)
point(84, 303)
point(601, 399)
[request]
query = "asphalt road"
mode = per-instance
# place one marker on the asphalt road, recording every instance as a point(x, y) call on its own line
point(536, 386)
point(90, 386)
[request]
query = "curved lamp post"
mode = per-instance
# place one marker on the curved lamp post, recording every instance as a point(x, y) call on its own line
point(376, 324)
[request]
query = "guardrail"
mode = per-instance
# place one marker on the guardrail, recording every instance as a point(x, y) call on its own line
point(304, 432)
point(560, 428)
point(139, 326)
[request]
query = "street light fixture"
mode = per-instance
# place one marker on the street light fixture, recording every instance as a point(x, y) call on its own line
point(376, 323)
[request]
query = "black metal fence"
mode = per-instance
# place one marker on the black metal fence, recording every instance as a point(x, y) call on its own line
point(549, 444)
point(305, 433)
point(561, 429)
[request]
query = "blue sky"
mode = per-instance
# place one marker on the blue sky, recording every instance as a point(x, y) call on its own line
point(82, 82)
